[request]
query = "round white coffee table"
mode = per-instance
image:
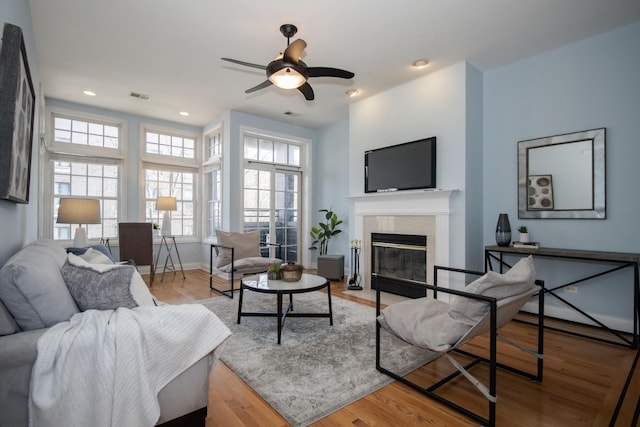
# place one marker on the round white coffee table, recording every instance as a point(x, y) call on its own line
point(307, 283)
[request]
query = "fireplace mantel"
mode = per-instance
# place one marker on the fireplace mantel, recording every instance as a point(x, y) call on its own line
point(423, 202)
point(433, 206)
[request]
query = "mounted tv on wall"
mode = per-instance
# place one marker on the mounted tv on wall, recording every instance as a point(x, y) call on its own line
point(408, 166)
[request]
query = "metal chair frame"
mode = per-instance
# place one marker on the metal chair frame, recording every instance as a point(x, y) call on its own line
point(216, 247)
point(430, 391)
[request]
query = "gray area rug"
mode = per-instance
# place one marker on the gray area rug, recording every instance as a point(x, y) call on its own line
point(318, 368)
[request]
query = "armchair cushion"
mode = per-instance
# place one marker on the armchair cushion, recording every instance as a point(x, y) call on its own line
point(250, 265)
point(245, 245)
point(436, 325)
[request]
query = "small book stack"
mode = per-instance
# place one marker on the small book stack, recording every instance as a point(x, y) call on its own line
point(530, 245)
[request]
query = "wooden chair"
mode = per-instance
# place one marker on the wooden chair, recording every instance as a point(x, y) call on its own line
point(136, 244)
point(441, 327)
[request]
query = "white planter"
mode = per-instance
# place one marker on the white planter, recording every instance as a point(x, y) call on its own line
point(524, 238)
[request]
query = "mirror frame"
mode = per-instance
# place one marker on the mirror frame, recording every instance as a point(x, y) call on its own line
point(598, 211)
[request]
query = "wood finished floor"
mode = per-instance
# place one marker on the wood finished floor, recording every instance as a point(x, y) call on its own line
point(582, 383)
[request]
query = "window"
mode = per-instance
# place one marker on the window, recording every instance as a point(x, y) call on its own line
point(93, 180)
point(170, 169)
point(71, 172)
point(170, 145)
point(212, 170)
point(271, 190)
point(159, 182)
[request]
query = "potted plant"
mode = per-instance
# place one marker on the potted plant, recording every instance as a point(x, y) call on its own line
point(524, 234)
point(324, 231)
point(273, 271)
point(329, 266)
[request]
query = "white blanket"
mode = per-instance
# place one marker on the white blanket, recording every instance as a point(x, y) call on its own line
point(105, 368)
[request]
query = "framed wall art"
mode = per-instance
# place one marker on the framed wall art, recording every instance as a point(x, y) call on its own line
point(17, 108)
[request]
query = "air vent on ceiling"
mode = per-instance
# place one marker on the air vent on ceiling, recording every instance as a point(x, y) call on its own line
point(140, 96)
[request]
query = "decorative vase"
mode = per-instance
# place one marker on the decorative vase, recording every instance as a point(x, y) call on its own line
point(503, 230)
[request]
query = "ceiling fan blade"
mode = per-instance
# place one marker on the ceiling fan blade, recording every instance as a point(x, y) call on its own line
point(247, 64)
point(329, 72)
point(293, 52)
point(307, 91)
point(262, 85)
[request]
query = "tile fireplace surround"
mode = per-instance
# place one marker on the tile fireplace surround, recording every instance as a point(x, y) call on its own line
point(410, 212)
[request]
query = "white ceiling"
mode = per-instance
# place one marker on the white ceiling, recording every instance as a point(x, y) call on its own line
point(171, 49)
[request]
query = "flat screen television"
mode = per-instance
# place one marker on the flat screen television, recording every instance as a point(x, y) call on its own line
point(408, 166)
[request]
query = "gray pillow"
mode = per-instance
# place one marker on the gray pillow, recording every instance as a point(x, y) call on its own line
point(245, 245)
point(518, 279)
point(32, 288)
point(105, 286)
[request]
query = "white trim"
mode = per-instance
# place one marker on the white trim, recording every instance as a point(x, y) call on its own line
point(75, 149)
point(172, 160)
point(565, 313)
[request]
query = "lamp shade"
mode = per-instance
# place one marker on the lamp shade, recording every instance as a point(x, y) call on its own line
point(79, 211)
point(166, 204)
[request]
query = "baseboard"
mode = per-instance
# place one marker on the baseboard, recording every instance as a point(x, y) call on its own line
point(564, 313)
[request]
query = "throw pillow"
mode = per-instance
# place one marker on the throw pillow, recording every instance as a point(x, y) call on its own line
point(105, 286)
point(32, 288)
point(101, 248)
point(518, 279)
point(245, 245)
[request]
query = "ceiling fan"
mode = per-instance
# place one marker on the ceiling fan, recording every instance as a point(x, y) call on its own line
point(288, 71)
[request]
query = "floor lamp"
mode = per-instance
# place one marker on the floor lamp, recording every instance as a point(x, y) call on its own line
point(79, 211)
point(166, 204)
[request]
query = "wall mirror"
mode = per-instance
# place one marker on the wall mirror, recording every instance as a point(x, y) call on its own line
point(562, 176)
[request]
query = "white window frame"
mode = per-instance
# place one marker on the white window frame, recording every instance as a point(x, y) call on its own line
point(172, 164)
point(306, 170)
point(65, 152)
point(210, 164)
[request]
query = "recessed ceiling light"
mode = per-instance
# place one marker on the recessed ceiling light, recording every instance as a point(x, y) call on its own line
point(89, 93)
point(184, 113)
point(352, 93)
point(420, 63)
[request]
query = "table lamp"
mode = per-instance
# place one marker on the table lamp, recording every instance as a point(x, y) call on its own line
point(79, 211)
point(166, 204)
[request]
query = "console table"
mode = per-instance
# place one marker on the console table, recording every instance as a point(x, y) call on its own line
point(616, 260)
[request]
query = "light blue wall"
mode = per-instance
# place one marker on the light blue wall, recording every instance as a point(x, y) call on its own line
point(331, 178)
point(18, 221)
point(589, 84)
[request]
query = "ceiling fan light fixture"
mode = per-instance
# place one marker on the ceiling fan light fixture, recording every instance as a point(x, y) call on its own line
point(287, 78)
point(352, 93)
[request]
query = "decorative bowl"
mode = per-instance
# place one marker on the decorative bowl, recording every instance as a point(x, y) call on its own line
point(291, 272)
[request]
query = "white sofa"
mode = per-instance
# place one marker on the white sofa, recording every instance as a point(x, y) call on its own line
point(34, 297)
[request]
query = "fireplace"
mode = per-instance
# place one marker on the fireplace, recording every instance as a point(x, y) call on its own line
point(399, 256)
point(424, 213)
